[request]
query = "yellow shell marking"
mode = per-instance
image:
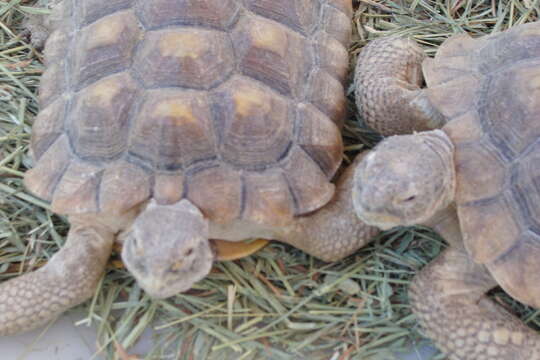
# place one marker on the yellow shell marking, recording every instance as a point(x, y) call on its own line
point(183, 45)
point(179, 112)
point(249, 101)
point(103, 93)
point(269, 37)
point(106, 33)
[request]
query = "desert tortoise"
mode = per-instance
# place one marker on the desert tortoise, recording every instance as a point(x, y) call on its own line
point(168, 122)
point(476, 181)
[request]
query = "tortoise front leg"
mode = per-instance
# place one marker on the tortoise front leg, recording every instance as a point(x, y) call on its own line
point(334, 231)
point(388, 80)
point(448, 297)
point(68, 279)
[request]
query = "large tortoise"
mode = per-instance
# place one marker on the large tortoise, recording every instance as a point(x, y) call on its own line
point(476, 181)
point(167, 123)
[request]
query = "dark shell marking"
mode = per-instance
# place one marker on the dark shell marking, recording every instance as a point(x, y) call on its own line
point(234, 104)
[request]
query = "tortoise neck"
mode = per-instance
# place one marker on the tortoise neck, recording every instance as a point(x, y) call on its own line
point(446, 223)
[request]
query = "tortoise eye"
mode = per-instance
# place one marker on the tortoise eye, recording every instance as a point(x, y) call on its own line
point(189, 252)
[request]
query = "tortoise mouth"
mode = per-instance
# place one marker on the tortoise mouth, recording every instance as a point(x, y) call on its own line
point(383, 221)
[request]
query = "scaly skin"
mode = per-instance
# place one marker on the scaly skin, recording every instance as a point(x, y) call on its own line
point(69, 278)
point(334, 231)
point(448, 297)
point(388, 78)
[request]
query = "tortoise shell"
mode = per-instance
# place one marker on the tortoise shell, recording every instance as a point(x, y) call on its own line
point(490, 89)
point(233, 104)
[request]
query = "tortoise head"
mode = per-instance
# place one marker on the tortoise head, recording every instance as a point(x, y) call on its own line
point(167, 249)
point(405, 180)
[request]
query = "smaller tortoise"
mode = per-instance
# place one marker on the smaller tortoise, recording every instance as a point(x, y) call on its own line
point(167, 123)
point(476, 181)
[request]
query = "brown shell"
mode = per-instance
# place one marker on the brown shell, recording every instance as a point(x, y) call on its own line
point(233, 104)
point(490, 89)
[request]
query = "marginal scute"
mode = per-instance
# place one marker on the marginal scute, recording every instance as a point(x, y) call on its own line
point(217, 192)
point(489, 227)
point(320, 138)
point(465, 128)
point(254, 124)
point(92, 10)
point(198, 59)
point(173, 129)
point(438, 71)
point(168, 187)
point(343, 5)
point(457, 46)
point(43, 178)
point(309, 185)
point(77, 191)
point(337, 24)
point(333, 56)
point(56, 46)
point(97, 124)
point(480, 174)
point(123, 185)
point(518, 270)
point(328, 95)
point(455, 97)
point(526, 186)
point(300, 15)
point(106, 46)
point(268, 200)
point(53, 83)
point(217, 14)
point(48, 126)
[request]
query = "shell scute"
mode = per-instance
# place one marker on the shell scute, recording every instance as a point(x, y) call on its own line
point(77, 191)
point(198, 59)
point(254, 124)
point(91, 10)
point(320, 138)
point(54, 83)
point(43, 178)
point(308, 183)
point(268, 199)
point(48, 126)
point(217, 14)
point(480, 173)
point(217, 192)
point(509, 47)
point(525, 182)
point(298, 15)
point(326, 93)
point(266, 49)
point(122, 186)
point(509, 108)
point(486, 238)
point(337, 23)
point(168, 187)
point(105, 47)
point(97, 124)
point(173, 129)
point(174, 98)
